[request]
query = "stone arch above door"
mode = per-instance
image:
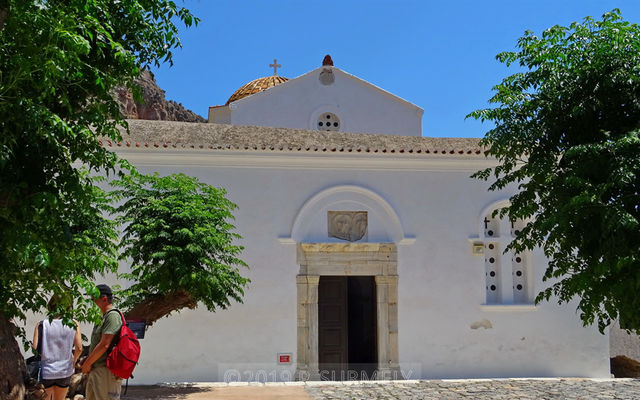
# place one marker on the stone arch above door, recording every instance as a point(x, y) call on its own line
point(309, 225)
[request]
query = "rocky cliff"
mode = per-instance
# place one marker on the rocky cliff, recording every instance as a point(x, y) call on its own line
point(155, 106)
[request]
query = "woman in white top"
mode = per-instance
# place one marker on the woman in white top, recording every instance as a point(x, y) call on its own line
point(61, 347)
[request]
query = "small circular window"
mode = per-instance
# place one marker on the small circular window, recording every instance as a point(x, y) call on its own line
point(328, 122)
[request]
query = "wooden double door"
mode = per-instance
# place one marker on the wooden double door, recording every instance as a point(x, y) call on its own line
point(347, 326)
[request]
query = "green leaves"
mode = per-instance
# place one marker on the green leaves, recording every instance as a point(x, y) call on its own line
point(179, 240)
point(59, 61)
point(567, 131)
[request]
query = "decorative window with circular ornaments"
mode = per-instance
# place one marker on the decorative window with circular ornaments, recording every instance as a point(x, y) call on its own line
point(328, 122)
point(496, 238)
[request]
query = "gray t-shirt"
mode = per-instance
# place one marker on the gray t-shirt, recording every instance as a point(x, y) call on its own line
point(110, 325)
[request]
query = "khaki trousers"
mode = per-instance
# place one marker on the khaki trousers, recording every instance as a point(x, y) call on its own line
point(102, 384)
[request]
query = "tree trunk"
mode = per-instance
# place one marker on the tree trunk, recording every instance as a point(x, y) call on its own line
point(12, 366)
point(154, 308)
point(4, 10)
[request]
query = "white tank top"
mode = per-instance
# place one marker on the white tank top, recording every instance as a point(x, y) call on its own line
point(57, 350)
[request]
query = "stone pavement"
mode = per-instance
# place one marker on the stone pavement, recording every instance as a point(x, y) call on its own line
point(481, 389)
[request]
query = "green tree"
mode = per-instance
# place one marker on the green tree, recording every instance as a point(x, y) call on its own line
point(179, 239)
point(59, 61)
point(567, 133)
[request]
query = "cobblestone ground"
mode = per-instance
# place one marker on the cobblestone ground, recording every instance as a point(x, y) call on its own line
point(479, 389)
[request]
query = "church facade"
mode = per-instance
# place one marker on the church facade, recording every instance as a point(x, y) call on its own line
point(371, 254)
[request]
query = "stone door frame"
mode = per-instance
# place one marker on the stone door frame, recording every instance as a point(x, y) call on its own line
point(343, 259)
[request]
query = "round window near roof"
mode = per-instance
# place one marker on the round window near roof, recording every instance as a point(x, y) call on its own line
point(328, 122)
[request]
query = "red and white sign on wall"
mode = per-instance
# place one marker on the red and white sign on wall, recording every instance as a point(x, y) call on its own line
point(284, 358)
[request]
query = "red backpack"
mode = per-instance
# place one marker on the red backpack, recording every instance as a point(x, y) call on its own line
point(125, 353)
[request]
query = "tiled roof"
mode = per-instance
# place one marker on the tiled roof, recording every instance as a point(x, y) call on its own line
point(187, 135)
point(255, 86)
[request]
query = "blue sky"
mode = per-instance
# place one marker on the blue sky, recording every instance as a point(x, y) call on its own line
point(437, 55)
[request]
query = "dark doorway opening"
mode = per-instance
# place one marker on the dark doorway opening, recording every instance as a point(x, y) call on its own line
point(347, 326)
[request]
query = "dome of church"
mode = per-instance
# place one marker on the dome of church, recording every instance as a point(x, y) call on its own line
point(255, 86)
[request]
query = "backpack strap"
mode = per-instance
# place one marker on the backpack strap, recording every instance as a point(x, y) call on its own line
point(116, 338)
point(119, 312)
point(124, 322)
point(113, 309)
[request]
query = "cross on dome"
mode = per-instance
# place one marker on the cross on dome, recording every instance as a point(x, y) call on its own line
point(275, 66)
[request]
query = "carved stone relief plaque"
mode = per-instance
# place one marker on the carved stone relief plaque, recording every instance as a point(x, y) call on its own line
point(347, 225)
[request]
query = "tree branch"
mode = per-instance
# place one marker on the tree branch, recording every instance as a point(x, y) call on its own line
point(159, 306)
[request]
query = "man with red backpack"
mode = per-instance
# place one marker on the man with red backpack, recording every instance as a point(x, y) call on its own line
point(103, 384)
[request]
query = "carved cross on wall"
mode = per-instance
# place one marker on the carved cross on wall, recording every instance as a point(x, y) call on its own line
point(486, 222)
point(275, 66)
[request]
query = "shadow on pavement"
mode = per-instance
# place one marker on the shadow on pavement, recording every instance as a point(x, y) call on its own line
point(155, 392)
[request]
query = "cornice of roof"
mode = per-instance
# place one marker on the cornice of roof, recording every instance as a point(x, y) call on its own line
point(187, 135)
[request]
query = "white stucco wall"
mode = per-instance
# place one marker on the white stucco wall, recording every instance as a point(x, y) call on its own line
point(441, 283)
point(623, 343)
point(360, 106)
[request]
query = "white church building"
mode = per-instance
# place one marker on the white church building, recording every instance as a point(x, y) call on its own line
point(372, 252)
